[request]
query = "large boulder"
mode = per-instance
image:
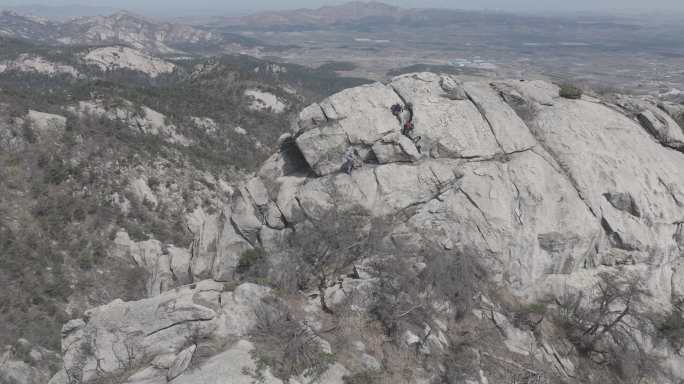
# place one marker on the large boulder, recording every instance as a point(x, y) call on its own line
point(676, 111)
point(660, 120)
point(180, 264)
point(205, 229)
point(448, 127)
point(121, 336)
point(663, 128)
point(324, 148)
point(363, 113)
point(229, 247)
point(395, 148)
point(244, 216)
point(46, 125)
point(220, 240)
point(181, 362)
point(354, 117)
point(235, 366)
point(149, 256)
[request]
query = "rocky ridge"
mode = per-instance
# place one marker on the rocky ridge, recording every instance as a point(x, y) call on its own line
point(119, 28)
point(548, 194)
point(37, 64)
point(139, 33)
point(113, 58)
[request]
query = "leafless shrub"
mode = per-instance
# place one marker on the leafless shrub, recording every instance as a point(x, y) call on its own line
point(458, 363)
point(452, 276)
point(606, 316)
point(530, 316)
point(405, 296)
point(328, 245)
point(288, 346)
point(671, 328)
point(605, 328)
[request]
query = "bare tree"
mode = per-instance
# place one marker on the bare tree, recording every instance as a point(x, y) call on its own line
point(287, 345)
point(606, 327)
point(327, 245)
point(607, 314)
point(405, 294)
point(452, 275)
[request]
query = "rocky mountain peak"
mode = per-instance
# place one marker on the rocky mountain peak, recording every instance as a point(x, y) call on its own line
point(9, 13)
point(126, 15)
point(328, 15)
point(14, 24)
point(498, 194)
point(360, 9)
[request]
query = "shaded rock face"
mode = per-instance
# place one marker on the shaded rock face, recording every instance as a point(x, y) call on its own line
point(150, 256)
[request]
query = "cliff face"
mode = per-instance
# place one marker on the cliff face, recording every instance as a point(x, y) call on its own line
point(523, 236)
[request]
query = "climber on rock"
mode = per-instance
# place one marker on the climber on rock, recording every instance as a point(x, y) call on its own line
point(406, 114)
point(407, 129)
point(351, 156)
point(396, 109)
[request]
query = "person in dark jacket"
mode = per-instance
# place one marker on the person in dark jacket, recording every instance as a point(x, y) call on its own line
point(350, 158)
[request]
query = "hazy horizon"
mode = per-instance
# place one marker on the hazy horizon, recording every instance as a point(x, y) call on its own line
point(180, 7)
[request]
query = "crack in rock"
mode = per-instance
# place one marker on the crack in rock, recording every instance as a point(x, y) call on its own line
point(668, 188)
point(486, 119)
point(179, 323)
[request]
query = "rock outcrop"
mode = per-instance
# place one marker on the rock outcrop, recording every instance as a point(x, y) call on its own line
point(658, 119)
point(546, 193)
point(116, 58)
point(37, 64)
point(163, 331)
point(142, 120)
point(540, 198)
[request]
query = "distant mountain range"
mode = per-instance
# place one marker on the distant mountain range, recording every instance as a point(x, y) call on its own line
point(119, 28)
point(324, 16)
point(357, 14)
point(61, 12)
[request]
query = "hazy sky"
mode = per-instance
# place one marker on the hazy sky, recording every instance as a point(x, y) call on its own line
point(240, 6)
